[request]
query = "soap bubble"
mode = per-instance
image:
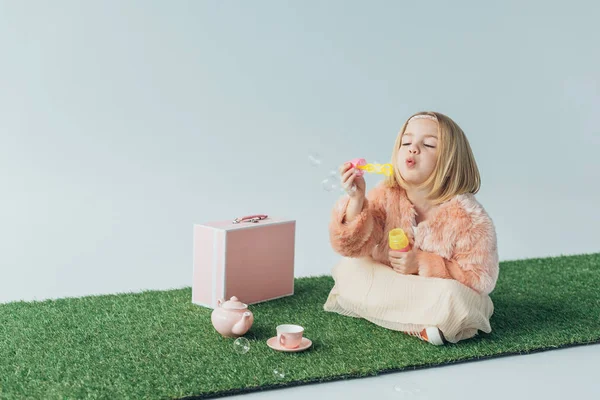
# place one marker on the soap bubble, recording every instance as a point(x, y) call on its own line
point(314, 159)
point(279, 373)
point(398, 388)
point(350, 190)
point(328, 185)
point(241, 345)
point(410, 392)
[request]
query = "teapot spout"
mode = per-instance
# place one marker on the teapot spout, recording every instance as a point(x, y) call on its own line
point(243, 325)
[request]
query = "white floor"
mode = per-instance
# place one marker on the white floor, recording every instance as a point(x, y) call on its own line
point(556, 374)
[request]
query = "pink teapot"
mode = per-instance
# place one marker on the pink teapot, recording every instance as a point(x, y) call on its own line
point(232, 318)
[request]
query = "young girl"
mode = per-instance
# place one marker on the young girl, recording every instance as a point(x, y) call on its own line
point(444, 280)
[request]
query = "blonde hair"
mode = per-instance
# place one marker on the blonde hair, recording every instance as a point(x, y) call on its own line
point(455, 171)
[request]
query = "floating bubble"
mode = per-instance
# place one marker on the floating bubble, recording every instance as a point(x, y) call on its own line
point(398, 388)
point(403, 389)
point(279, 373)
point(335, 180)
point(328, 185)
point(314, 159)
point(241, 345)
point(349, 190)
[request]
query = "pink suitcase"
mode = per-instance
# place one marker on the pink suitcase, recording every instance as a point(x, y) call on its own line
point(251, 258)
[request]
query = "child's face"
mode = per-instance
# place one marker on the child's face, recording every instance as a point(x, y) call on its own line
point(418, 151)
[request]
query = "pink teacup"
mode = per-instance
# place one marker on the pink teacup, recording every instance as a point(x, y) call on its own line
point(289, 336)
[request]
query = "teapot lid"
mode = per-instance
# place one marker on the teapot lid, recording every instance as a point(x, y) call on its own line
point(234, 304)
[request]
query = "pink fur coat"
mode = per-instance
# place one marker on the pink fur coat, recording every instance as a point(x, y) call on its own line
point(457, 241)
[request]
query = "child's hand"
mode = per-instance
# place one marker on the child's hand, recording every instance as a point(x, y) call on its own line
point(350, 179)
point(404, 262)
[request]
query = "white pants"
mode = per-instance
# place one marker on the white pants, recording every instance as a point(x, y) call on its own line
point(409, 303)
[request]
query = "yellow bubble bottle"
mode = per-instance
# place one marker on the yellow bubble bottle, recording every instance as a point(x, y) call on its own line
point(398, 240)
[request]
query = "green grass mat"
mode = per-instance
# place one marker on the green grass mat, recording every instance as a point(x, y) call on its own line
point(157, 344)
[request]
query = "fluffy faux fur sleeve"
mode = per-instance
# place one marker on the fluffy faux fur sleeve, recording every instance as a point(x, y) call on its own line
point(358, 237)
point(473, 258)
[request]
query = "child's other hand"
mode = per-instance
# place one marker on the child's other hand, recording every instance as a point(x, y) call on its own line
point(349, 179)
point(404, 262)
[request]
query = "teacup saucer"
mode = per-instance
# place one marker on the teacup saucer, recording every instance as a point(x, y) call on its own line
point(274, 344)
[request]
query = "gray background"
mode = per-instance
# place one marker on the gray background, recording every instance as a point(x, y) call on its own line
point(124, 123)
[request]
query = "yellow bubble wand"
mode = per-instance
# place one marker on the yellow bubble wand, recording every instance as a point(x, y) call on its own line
point(361, 164)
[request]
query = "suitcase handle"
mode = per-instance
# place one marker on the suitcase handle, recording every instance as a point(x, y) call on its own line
point(250, 218)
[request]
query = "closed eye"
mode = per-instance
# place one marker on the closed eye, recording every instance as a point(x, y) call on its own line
point(427, 145)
